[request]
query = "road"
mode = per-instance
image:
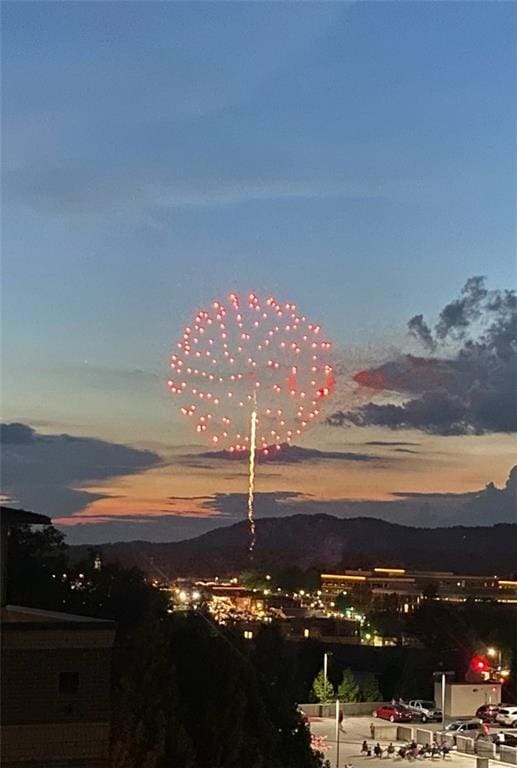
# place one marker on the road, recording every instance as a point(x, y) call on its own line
point(356, 730)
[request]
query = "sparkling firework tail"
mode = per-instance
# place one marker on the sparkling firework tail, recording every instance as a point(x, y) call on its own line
point(251, 480)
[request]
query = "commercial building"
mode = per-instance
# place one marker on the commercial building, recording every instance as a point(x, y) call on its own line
point(407, 588)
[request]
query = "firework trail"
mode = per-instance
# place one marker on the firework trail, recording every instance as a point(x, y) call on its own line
point(251, 478)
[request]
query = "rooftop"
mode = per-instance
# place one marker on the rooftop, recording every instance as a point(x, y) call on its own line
point(10, 516)
point(31, 617)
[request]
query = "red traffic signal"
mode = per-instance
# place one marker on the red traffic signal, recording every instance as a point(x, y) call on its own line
point(479, 664)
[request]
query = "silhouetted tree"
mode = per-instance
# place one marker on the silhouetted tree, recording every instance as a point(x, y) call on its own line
point(322, 689)
point(348, 689)
point(370, 690)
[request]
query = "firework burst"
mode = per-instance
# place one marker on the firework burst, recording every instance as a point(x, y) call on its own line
point(251, 375)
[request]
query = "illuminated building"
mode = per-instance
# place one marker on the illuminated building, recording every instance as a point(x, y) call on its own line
point(407, 588)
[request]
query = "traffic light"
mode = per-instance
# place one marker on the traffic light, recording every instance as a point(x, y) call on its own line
point(479, 664)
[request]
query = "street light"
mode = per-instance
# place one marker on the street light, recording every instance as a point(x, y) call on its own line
point(325, 670)
point(495, 652)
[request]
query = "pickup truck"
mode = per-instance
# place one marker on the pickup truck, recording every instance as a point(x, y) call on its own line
point(424, 710)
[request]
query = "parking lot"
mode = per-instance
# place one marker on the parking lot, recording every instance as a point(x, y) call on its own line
point(356, 730)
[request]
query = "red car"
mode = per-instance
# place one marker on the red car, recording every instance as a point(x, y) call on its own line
point(488, 712)
point(395, 713)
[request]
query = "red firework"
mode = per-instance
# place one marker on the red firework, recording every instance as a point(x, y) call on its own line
point(241, 353)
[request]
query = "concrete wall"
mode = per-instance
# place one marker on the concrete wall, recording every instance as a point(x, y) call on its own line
point(384, 732)
point(444, 737)
point(405, 733)
point(42, 723)
point(508, 755)
point(466, 745)
point(87, 742)
point(424, 736)
point(349, 710)
point(485, 748)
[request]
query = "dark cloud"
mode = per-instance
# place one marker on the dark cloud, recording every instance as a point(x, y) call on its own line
point(421, 331)
point(456, 317)
point(390, 442)
point(16, 434)
point(44, 472)
point(289, 454)
point(472, 390)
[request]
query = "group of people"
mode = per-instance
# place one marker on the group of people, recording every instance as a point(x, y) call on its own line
point(411, 751)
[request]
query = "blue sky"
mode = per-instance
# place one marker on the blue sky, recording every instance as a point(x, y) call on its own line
point(357, 158)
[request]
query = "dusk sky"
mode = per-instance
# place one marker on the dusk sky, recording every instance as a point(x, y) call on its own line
point(355, 158)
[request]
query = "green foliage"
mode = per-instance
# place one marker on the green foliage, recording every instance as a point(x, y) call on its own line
point(254, 580)
point(274, 660)
point(414, 676)
point(293, 578)
point(342, 602)
point(388, 623)
point(35, 567)
point(322, 690)
point(370, 690)
point(348, 690)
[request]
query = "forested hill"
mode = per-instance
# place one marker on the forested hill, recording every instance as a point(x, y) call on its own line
point(325, 542)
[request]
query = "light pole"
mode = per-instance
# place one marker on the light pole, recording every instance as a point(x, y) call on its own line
point(443, 676)
point(325, 673)
point(337, 733)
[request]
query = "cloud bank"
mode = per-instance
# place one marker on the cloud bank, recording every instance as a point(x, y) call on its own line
point(470, 388)
point(44, 472)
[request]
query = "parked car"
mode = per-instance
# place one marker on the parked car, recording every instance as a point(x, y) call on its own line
point(487, 712)
point(424, 710)
point(507, 739)
point(464, 727)
point(395, 713)
point(507, 716)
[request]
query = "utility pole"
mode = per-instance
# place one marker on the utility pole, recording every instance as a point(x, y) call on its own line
point(443, 684)
point(325, 673)
point(337, 733)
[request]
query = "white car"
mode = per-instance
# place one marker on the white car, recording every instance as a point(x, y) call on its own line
point(507, 716)
point(465, 726)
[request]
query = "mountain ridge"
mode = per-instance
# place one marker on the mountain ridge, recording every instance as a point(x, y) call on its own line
point(322, 541)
